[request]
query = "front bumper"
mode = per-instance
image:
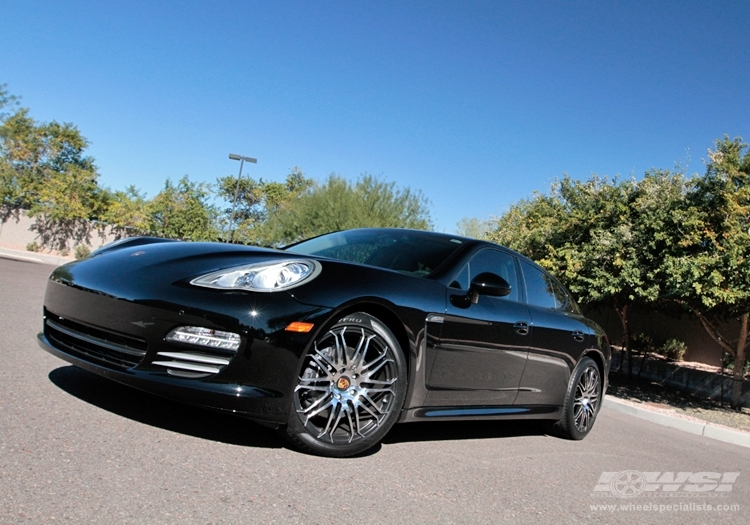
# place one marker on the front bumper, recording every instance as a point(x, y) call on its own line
point(258, 403)
point(124, 340)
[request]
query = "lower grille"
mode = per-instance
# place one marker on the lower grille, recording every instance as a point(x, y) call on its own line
point(94, 343)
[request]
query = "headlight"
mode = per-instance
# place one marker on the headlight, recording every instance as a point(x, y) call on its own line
point(261, 277)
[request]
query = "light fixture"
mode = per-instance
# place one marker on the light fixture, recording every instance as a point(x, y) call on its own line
point(234, 156)
point(200, 336)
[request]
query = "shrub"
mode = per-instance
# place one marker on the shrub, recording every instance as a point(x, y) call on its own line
point(32, 247)
point(729, 363)
point(65, 252)
point(642, 343)
point(82, 251)
point(673, 349)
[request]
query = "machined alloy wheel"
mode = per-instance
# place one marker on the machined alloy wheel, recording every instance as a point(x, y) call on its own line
point(582, 401)
point(350, 389)
point(587, 397)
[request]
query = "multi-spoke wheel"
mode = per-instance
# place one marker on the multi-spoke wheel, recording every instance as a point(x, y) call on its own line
point(586, 399)
point(350, 389)
point(581, 402)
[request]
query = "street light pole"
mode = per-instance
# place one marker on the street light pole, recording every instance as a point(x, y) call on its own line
point(242, 160)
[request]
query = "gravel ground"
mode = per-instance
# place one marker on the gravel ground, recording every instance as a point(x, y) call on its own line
point(654, 395)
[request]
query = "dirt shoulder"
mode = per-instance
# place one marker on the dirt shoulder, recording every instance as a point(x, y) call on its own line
point(654, 396)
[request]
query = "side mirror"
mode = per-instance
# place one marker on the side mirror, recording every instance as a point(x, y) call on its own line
point(488, 283)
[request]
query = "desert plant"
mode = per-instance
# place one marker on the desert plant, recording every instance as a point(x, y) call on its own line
point(643, 343)
point(673, 349)
point(32, 247)
point(82, 251)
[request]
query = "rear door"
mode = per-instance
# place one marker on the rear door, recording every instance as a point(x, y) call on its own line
point(559, 336)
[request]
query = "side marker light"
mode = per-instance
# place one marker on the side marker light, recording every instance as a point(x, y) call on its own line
point(299, 327)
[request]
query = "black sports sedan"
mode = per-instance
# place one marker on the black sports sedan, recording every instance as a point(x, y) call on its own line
point(334, 339)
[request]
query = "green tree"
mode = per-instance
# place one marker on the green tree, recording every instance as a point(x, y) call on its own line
point(709, 271)
point(338, 204)
point(127, 212)
point(44, 171)
point(182, 211)
point(256, 200)
point(39, 152)
point(65, 206)
point(10, 191)
point(602, 238)
point(473, 227)
point(7, 101)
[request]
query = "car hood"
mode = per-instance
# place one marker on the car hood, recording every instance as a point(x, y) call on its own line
point(163, 270)
point(137, 270)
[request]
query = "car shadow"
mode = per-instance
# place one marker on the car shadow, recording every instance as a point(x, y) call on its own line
point(207, 424)
point(460, 430)
point(160, 412)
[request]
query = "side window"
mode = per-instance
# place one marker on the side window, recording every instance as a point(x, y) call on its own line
point(561, 298)
point(494, 261)
point(462, 279)
point(541, 290)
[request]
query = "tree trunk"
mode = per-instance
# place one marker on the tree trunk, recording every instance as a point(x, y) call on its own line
point(736, 349)
point(622, 312)
point(739, 363)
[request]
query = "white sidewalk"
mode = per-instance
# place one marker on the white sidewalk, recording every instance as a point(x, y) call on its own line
point(35, 257)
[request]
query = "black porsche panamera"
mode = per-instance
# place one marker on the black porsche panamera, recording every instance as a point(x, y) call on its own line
point(334, 339)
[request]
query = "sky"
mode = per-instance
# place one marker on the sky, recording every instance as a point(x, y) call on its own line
point(477, 104)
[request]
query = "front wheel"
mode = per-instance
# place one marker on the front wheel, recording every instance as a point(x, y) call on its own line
point(582, 401)
point(350, 390)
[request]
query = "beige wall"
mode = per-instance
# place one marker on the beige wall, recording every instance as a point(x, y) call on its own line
point(17, 232)
point(701, 347)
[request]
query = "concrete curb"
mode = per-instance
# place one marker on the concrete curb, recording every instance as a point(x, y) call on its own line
point(699, 428)
point(35, 257)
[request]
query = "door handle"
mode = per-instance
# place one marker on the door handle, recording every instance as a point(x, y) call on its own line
point(579, 336)
point(521, 328)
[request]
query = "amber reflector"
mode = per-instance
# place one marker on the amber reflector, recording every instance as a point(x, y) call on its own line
point(299, 327)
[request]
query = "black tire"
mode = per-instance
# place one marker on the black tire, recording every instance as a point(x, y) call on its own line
point(582, 402)
point(350, 389)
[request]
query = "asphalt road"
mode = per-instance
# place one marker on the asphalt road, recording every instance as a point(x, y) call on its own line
point(75, 448)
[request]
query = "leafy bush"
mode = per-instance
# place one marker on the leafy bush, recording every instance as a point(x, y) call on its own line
point(32, 247)
point(673, 349)
point(729, 363)
point(642, 343)
point(82, 251)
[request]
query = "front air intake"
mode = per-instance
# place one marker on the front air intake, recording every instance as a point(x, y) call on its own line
point(209, 351)
point(94, 343)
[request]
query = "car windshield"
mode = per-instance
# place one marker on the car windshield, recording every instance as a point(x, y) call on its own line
point(413, 252)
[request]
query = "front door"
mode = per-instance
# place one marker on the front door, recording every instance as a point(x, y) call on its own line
point(483, 347)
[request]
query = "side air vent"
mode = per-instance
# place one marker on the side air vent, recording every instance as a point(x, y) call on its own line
point(194, 364)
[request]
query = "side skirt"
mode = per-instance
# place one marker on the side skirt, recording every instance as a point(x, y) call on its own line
point(453, 413)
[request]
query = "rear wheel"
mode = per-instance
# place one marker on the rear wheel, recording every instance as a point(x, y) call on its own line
point(350, 390)
point(582, 401)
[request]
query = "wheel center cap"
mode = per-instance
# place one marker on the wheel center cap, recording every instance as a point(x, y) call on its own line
point(343, 383)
